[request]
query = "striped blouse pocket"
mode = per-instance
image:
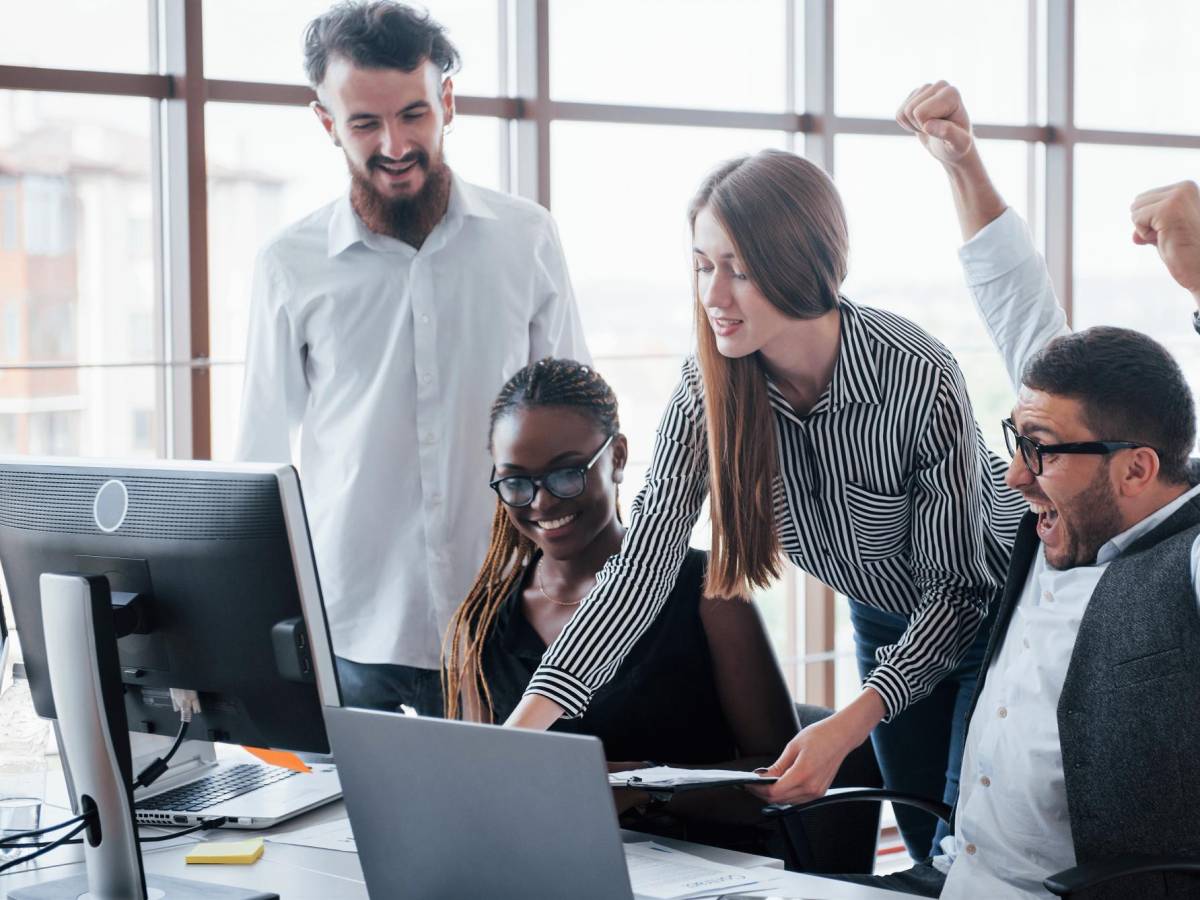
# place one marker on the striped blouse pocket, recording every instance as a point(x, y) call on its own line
point(880, 523)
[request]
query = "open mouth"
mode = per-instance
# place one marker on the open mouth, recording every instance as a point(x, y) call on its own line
point(1047, 520)
point(550, 526)
point(397, 169)
point(725, 326)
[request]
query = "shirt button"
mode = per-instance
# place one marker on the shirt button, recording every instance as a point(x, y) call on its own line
point(985, 781)
point(1047, 596)
point(426, 378)
point(1025, 641)
point(1002, 712)
point(435, 498)
point(970, 848)
point(424, 320)
point(429, 437)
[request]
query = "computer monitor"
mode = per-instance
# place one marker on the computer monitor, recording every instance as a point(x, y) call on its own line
point(128, 579)
point(198, 556)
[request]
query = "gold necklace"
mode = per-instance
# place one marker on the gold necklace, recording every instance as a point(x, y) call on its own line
point(537, 577)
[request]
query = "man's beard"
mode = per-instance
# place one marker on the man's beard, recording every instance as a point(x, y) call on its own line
point(1092, 520)
point(409, 219)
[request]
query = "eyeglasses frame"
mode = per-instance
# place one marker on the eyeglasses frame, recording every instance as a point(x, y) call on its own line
point(537, 480)
point(1038, 449)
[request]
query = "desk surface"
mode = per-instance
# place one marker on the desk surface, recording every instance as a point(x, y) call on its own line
point(305, 873)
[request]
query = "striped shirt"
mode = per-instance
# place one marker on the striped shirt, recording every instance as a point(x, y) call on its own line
point(885, 491)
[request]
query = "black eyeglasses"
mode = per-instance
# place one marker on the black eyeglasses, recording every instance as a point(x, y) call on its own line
point(1032, 451)
point(520, 490)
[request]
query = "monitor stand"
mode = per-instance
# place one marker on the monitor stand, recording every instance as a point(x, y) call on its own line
point(85, 679)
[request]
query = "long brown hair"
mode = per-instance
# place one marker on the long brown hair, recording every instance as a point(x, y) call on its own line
point(548, 382)
point(788, 226)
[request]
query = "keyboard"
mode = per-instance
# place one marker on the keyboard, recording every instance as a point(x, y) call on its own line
point(213, 789)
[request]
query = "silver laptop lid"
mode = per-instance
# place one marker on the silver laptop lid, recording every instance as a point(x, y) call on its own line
point(444, 809)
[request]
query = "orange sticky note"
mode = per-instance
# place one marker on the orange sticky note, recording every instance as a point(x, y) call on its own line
point(281, 758)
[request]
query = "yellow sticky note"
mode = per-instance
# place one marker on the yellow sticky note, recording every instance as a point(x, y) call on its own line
point(229, 852)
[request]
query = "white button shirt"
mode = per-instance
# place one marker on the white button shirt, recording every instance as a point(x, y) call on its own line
point(386, 359)
point(1012, 826)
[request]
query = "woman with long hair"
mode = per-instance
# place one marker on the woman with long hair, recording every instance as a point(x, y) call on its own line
point(838, 436)
point(700, 687)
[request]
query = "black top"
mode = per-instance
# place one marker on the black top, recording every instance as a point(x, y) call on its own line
point(662, 703)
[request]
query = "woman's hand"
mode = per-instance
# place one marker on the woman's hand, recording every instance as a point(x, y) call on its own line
point(811, 759)
point(534, 712)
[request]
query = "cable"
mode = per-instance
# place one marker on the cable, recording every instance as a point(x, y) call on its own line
point(215, 822)
point(10, 840)
point(45, 848)
point(151, 773)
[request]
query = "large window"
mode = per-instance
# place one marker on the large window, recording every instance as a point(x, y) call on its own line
point(130, 217)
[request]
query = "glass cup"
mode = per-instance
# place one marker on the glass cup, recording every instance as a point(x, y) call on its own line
point(22, 765)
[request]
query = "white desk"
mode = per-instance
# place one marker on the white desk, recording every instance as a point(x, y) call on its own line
point(305, 873)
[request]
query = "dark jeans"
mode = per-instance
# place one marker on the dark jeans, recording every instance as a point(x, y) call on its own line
point(920, 751)
point(386, 686)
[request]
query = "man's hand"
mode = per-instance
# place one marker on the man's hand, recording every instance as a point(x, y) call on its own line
point(1169, 218)
point(936, 115)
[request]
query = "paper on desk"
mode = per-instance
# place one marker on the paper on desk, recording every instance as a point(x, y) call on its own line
point(670, 777)
point(335, 835)
point(668, 874)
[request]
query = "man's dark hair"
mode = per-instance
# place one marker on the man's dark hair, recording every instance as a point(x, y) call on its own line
point(376, 34)
point(1130, 387)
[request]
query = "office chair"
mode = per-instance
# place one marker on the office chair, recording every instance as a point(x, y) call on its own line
point(1076, 882)
point(827, 840)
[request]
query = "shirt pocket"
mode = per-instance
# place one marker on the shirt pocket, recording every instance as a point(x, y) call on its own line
point(879, 522)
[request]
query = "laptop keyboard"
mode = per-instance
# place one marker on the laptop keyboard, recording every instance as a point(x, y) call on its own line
point(214, 789)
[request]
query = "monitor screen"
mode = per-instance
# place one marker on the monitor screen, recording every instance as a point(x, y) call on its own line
point(199, 562)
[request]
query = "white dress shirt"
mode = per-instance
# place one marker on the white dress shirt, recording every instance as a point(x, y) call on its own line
point(1012, 828)
point(386, 359)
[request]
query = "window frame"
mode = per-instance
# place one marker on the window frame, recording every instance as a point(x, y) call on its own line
point(525, 110)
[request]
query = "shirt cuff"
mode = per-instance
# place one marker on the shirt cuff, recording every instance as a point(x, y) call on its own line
point(996, 249)
point(563, 688)
point(887, 681)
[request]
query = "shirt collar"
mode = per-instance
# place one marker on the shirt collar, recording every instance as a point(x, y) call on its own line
point(855, 377)
point(1115, 546)
point(346, 229)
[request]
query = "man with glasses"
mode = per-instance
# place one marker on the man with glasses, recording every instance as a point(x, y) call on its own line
point(380, 329)
point(1085, 719)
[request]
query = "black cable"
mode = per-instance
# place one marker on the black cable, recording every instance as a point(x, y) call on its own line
point(151, 773)
point(45, 848)
point(215, 822)
point(10, 840)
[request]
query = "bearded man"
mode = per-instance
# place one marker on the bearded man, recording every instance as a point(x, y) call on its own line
point(382, 326)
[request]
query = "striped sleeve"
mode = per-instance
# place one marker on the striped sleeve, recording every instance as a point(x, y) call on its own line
point(949, 564)
point(633, 585)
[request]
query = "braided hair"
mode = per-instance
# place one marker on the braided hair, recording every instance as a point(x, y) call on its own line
point(548, 382)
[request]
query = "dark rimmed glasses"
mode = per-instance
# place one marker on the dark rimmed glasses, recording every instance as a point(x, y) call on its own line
point(1032, 451)
point(520, 490)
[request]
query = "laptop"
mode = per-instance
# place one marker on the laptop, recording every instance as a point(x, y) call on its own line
point(198, 786)
point(417, 838)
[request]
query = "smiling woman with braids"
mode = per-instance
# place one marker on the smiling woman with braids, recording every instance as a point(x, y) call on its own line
point(701, 686)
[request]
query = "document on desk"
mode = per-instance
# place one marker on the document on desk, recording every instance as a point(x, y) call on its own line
point(335, 835)
point(668, 874)
point(669, 778)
